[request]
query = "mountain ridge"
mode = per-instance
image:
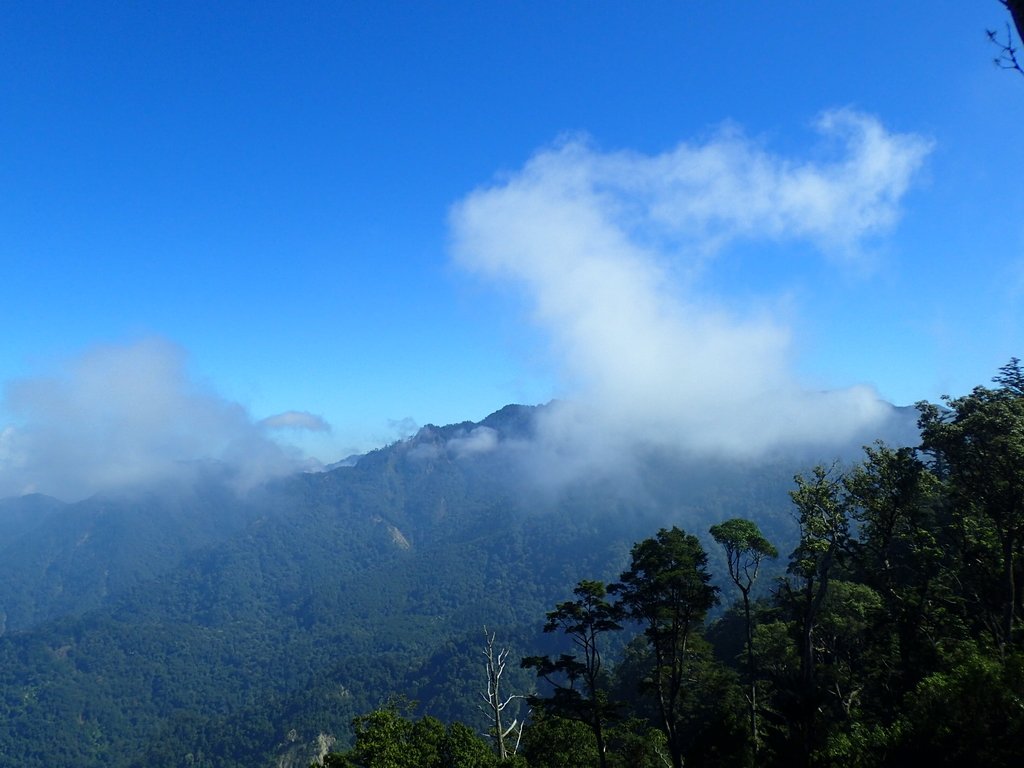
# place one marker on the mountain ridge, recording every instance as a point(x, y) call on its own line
point(229, 620)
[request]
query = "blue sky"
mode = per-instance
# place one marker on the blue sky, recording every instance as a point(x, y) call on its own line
point(256, 207)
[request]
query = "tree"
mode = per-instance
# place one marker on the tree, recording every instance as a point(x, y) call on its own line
point(904, 551)
point(667, 591)
point(892, 497)
point(824, 528)
point(822, 518)
point(497, 703)
point(557, 742)
point(387, 738)
point(977, 446)
point(969, 714)
point(383, 739)
point(845, 633)
point(584, 620)
point(461, 748)
point(745, 549)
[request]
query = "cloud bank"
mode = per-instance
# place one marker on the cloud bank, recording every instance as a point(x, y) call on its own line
point(127, 415)
point(598, 242)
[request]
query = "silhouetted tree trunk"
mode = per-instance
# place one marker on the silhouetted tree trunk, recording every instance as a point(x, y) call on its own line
point(745, 548)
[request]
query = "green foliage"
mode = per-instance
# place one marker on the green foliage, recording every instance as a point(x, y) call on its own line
point(823, 520)
point(387, 738)
point(667, 591)
point(971, 714)
point(557, 742)
point(584, 620)
point(977, 447)
point(745, 548)
point(635, 744)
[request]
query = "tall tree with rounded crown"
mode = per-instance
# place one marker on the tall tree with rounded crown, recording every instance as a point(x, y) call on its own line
point(667, 591)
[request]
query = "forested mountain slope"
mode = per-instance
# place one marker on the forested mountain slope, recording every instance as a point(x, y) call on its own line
point(198, 626)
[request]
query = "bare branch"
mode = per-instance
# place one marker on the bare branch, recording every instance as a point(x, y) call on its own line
point(1007, 58)
point(495, 703)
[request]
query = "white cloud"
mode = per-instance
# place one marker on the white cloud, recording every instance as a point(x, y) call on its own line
point(123, 415)
point(296, 420)
point(479, 440)
point(598, 240)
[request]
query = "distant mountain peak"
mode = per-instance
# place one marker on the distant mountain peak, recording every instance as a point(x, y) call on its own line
point(510, 422)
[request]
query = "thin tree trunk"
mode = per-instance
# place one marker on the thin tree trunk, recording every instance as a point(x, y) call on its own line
point(750, 670)
point(1009, 610)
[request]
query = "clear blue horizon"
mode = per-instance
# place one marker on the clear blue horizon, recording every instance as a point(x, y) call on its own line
point(320, 223)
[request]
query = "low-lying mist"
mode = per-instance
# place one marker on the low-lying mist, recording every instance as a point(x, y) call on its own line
point(122, 416)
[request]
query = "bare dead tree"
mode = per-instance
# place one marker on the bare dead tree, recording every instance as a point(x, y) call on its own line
point(496, 703)
point(1008, 52)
